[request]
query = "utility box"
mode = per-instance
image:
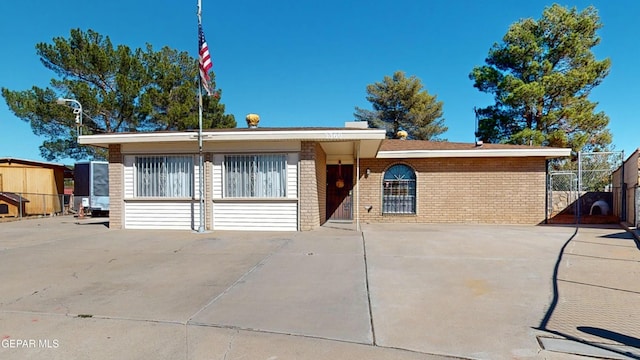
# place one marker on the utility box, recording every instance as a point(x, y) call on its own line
point(91, 187)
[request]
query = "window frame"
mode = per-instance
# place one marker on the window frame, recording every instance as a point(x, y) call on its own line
point(190, 165)
point(284, 175)
point(410, 191)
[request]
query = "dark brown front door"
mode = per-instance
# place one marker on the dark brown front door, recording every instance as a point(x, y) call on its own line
point(339, 198)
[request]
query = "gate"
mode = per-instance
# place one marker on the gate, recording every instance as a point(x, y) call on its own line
point(562, 194)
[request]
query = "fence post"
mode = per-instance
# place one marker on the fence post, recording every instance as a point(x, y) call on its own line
point(579, 207)
point(547, 201)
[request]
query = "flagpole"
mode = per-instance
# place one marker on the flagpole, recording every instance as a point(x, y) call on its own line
point(200, 159)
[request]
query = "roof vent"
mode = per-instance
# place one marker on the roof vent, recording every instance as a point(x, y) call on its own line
point(253, 120)
point(356, 124)
point(402, 134)
point(479, 143)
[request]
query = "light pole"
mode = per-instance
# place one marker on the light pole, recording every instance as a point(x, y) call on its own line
point(76, 110)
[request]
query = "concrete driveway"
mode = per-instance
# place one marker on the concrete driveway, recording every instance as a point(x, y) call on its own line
point(75, 289)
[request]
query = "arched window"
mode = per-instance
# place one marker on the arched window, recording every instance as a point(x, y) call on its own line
point(399, 190)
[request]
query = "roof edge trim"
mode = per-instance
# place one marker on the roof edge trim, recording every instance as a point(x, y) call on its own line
point(475, 153)
point(317, 135)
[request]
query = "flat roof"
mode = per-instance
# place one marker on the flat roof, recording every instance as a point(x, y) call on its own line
point(236, 134)
point(373, 138)
point(394, 148)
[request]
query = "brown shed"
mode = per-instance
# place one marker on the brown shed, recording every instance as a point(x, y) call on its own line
point(42, 183)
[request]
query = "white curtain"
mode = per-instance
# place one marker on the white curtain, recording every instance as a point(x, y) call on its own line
point(165, 176)
point(262, 176)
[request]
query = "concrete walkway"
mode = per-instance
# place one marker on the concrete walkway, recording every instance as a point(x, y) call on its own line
point(75, 289)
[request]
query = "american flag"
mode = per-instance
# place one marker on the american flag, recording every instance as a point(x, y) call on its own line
point(204, 59)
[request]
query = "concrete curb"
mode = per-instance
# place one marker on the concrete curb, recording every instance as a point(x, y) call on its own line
point(633, 231)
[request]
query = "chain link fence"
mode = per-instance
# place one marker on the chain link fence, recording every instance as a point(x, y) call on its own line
point(584, 187)
point(562, 193)
point(20, 205)
point(596, 170)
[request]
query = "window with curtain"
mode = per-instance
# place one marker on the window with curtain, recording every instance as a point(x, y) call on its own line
point(255, 176)
point(165, 176)
point(399, 190)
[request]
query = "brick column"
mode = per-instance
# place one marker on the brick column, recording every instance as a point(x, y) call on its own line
point(310, 184)
point(321, 183)
point(116, 187)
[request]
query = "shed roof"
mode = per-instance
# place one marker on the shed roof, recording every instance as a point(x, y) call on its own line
point(10, 160)
point(12, 197)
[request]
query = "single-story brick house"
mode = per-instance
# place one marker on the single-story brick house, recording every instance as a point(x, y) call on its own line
point(292, 179)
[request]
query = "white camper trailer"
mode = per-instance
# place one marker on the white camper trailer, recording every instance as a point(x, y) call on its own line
point(91, 187)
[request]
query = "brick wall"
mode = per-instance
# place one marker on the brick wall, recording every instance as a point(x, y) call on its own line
point(116, 187)
point(312, 193)
point(463, 190)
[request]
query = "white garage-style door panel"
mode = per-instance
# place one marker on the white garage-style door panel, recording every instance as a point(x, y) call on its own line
point(292, 175)
point(216, 181)
point(129, 177)
point(263, 216)
point(170, 215)
point(260, 214)
point(152, 211)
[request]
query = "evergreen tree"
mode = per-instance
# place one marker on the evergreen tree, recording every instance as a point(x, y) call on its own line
point(541, 76)
point(120, 90)
point(400, 103)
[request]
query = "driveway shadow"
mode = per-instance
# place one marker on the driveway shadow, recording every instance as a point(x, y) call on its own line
point(611, 335)
point(556, 293)
point(579, 294)
point(104, 223)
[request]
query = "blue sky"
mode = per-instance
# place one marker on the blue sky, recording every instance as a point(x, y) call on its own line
point(307, 63)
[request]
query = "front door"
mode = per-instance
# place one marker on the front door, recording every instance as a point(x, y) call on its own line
point(339, 192)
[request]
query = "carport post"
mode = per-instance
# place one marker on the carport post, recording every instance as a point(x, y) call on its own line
point(358, 186)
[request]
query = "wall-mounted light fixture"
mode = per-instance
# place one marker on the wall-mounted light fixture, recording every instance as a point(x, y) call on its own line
point(368, 172)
